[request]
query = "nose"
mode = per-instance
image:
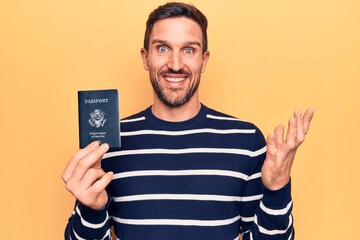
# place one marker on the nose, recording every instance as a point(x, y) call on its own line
point(175, 62)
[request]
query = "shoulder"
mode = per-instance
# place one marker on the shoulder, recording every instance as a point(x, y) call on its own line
point(221, 118)
point(133, 122)
point(244, 131)
point(134, 117)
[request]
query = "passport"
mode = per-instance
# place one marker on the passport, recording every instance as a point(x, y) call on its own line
point(99, 117)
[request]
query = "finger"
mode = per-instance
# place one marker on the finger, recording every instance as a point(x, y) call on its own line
point(308, 116)
point(90, 177)
point(101, 184)
point(291, 134)
point(300, 126)
point(271, 146)
point(279, 135)
point(78, 188)
point(76, 157)
point(87, 162)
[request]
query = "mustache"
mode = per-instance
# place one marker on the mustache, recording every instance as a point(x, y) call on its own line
point(180, 72)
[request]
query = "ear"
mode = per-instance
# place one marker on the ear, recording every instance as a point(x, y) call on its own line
point(144, 56)
point(205, 58)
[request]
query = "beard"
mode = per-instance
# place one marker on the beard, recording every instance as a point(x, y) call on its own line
point(173, 99)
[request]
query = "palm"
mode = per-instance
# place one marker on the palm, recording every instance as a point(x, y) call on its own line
point(281, 152)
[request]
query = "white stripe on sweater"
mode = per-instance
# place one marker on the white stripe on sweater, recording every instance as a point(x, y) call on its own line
point(107, 234)
point(188, 132)
point(194, 172)
point(193, 197)
point(91, 225)
point(247, 219)
point(278, 211)
point(290, 237)
point(178, 222)
point(132, 120)
point(187, 151)
point(275, 231)
point(222, 118)
point(77, 236)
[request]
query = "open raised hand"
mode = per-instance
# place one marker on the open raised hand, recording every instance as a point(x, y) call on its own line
point(281, 152)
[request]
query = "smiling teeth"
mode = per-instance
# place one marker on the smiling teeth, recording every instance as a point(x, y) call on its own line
point(172, 79)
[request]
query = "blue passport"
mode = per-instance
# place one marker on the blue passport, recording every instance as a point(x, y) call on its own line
point(99, 117)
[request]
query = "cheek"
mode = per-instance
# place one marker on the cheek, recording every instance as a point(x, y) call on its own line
point(195, 64)
point(157, 61)
point(196, 69)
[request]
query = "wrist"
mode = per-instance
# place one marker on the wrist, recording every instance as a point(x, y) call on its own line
point(102, 202)
point(274, 184)
point(277, 198)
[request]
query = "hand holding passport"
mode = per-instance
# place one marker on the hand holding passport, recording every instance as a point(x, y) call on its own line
point(99, 117)
point(98, 123)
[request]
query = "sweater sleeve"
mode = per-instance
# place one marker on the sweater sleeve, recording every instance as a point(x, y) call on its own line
point(86, 223)
point(268, 216)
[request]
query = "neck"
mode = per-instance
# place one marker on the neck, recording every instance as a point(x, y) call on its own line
point(178, 114)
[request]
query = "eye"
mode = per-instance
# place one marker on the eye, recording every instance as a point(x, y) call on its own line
point(162, 49)
point(189, 50)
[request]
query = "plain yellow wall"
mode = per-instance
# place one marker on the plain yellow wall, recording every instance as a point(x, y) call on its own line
point(267, 58)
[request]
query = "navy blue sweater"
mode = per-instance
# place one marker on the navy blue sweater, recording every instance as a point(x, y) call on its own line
point(194, 180)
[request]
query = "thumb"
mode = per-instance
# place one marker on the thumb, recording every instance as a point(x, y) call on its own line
point(103, 149)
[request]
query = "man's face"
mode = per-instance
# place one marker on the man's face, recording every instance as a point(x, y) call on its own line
point(175, 60)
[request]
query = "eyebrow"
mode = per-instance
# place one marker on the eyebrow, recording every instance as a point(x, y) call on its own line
point(158, 41)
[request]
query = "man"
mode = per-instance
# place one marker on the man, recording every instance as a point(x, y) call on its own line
point(184, 171)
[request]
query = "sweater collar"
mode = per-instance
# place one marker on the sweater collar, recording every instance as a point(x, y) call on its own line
point(175, 126)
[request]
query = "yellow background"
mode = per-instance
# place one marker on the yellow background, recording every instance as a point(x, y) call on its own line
point(267, 59)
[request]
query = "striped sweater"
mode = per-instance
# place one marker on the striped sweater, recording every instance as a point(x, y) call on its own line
point(194, 180)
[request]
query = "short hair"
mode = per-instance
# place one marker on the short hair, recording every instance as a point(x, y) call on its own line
point(176, 9)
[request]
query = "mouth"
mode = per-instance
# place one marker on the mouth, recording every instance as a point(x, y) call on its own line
point(174, 79)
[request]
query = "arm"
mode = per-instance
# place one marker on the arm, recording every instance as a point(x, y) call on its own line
point(85, 179)
point(86, 223)
point(273, 219)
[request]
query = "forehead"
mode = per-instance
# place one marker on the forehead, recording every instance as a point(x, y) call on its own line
point(176, 30)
